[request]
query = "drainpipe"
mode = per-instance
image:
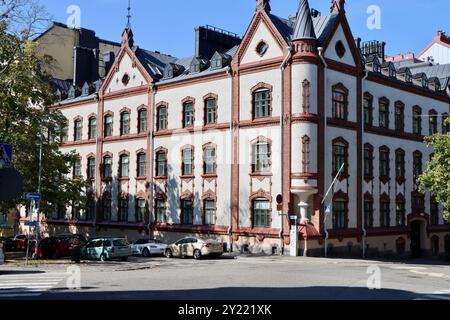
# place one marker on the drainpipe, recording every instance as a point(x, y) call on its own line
point(152, 142)
point(228, 70)
point(363, 224)
point(283, 67)
point(320, 50)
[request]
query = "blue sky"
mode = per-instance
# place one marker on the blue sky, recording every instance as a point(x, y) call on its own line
point(168, 25)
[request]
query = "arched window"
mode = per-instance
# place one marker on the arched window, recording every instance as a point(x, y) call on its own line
point(305, 154)
point(261, 156)
point(400, 212)
point(92, 128)
point(384, 163)
point(188, 161)
point(261, 213)
point(78, 130)
point(417, 165)
point(210, 111)
point(90, 168)
point(209, 212)
point(340, 156)
point(141, 165)
point(417, 120)
point(124, 166)
point(124, 123)
point(384, 113)
point(188, 114)
point(210, 163)
point(261, 103)
point(340, 102)
point(161, 164)
point(432, 122)
point(160, 210)
point(106, 207)
point(161, 118)
point(306, 93)
point(399, 116)
point(142, 120)
point(76, 168)
point(107, 167)
point(368, 109)
point(368, 161)
point(187, 211)
point(108, 123)
point(400, 165)
point(385, 211)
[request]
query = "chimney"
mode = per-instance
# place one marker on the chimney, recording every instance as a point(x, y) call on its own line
point(337, 6)
point(263, 5)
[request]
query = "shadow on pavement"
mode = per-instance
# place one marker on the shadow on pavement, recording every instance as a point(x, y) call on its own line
point(14, 272)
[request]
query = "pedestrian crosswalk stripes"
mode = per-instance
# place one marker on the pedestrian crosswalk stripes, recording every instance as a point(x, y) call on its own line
point(28, 285)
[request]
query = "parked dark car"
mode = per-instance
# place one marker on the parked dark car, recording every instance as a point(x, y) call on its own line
point(8, 243)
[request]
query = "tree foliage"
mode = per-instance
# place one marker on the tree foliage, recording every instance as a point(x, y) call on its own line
point(437, 176)
point(25, 116)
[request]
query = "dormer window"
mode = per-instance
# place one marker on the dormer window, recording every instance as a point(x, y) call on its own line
point(392, 72)
point(216, 63)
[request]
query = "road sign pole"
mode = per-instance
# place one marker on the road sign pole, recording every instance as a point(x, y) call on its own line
point(38, 206)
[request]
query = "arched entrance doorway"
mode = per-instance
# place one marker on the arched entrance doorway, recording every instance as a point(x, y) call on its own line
point(417, 238)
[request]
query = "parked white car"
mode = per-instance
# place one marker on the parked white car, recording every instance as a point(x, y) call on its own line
point(2, 255)
point(148, 247)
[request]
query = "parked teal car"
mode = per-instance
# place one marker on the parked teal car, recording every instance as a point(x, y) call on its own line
point(105, 249)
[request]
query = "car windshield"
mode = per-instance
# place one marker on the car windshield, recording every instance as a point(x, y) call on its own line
point(120, 243)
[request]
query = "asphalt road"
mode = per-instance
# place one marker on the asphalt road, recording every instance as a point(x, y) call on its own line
point(229, 278)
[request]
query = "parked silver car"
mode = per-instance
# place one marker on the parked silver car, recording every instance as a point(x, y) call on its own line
point(148, 247)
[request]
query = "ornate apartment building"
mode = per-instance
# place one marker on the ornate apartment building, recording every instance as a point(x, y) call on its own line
point(203, 145)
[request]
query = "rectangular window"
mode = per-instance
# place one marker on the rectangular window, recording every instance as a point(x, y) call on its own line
point(433, 124)
point(262, 100)
point(187, 162)
point(210, 161)
point(339, 105)
point(434, 211)
point(187, 211)
point(64, 134)
point(90, 209)
point(108, 126)
point(91, 169)
point(209, 212)
point(400, 165)
point(339, 158)
point(385, 213)
point(142, 165)
point(78, 127)
point(77, 168)
point(417, 122)
point(384, 163)
point(400, 214)
point(124, 166)
point(107, 168)
point(161, 164)
point(399, 117)
point(141, 209)
point(160, 211)
point(125, 124)
point(384, 115)
point(188, 120)
point(142, 115)
point(123, 210)
point(368, 214)
point(210, 111)
point(261, 161)
point(92, 128)
point(368, 163)
point(417, 165)
point(339, 214)
point(368, 111)
point(106, 209)
point(162, 118)
point(261, 214)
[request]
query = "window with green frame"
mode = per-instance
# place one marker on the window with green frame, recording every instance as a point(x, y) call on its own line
point(187, 211)
point(210, 160)
point(368, 108)
point(160, 208)
point(162, 118)
point(188, 168)
point(92, 128)
point(188, 114)
point(76, 170)
point(161, 164)
point(140, 209)
point(78, 130)
point(368, 213)
point(123, 210)
point(261, 213)
point(434, 211)
point(108, 123)
point(385, 212)
point(384, 113)
point(142, 165)
point(417, 120)
point(210, 111)
point(209, 212)
point(399, 116)
point(261, 157)
point(340, 151)
point(106, 208)
point(339, 214)
point(261, 103)
point(142, 121)
point(400, 213)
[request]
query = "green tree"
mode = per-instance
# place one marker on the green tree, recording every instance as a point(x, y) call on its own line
point(25, 97)
point(437, 176)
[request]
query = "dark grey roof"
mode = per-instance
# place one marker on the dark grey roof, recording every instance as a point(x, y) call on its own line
point(61, 85)
point(154, 62)
point(285, 27)
point(304, 28)
point(323, 26)
point(442, 72)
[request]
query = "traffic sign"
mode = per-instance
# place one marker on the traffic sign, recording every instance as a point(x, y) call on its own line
point(32, 196)
point(279, 199)
point(31, 223)
point(6, 154)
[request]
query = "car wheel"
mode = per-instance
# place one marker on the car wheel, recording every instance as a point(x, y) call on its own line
point(169, 253)
point(146, 253)
point(197, 254)
point(103, 258)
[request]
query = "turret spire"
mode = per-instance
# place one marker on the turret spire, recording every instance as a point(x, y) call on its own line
point(129, 16)
point(304, 27)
